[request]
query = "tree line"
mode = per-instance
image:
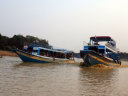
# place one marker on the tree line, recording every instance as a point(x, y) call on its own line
point(18, 41)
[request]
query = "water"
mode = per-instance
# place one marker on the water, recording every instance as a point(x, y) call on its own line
point(31, 79)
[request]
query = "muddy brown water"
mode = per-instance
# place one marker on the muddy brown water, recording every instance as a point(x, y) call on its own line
point(34, 79)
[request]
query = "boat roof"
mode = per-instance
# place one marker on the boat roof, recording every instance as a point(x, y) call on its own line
point(101, 38)
point(54, 50)
point(48, 48)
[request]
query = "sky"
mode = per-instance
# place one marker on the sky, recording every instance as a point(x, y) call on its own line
point(66, 23)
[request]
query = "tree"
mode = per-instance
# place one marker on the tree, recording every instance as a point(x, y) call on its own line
point(3, 42)
point(18, 41)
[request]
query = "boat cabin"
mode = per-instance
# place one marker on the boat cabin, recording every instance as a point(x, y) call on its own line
point(103, 45)
point(49, 52)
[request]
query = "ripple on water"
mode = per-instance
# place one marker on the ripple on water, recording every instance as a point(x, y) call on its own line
point(30, 79)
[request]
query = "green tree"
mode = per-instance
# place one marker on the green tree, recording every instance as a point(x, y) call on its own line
point(3, 42)
point(17, 41)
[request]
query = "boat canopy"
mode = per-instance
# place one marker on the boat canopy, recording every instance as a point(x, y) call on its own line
point(102, 38)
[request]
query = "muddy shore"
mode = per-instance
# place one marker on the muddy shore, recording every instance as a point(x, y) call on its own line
point(7, 53)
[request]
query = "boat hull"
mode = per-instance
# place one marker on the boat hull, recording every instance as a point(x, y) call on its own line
point(91, 58)
point(26, 57)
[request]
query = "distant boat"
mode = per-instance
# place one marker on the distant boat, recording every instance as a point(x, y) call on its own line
point(96, 53)
point(40, 54)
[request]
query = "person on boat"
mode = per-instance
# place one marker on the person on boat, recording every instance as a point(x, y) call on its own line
point(42, 52)
point(45, 54)
point(68, 56)
point(56, 55)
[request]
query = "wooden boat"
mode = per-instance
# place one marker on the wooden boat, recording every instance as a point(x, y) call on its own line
point(44, 55)
point(98, 53)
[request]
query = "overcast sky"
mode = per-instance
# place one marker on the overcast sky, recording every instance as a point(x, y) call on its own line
point(66, 23)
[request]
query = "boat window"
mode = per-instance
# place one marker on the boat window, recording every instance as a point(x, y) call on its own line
point(35, 52)
point(59, 55)
point(94, 48)
point(29, 50)
point(55, 54)
point(49, 53)
point(42, 52)
point(101, 51)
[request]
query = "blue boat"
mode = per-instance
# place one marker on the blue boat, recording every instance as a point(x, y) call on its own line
point(100, 50)
point(41, 54)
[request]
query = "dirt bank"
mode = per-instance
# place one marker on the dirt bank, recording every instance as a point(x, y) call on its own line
point(7, 53)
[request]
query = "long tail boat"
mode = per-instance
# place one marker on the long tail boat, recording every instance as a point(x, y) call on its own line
point(40, 54)
point(100, 50)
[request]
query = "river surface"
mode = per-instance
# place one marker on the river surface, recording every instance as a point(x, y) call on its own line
point(34, 79)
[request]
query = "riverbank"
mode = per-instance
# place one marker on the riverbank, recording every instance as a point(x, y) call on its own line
point(7, 53)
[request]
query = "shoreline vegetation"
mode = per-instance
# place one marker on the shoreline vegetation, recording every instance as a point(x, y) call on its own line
point(17, 42)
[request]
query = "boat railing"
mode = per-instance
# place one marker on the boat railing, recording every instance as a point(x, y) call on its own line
point(101, 56)
point(110, 46)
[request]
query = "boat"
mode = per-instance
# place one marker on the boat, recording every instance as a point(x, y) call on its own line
point(100, 50)
point(40, 54)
